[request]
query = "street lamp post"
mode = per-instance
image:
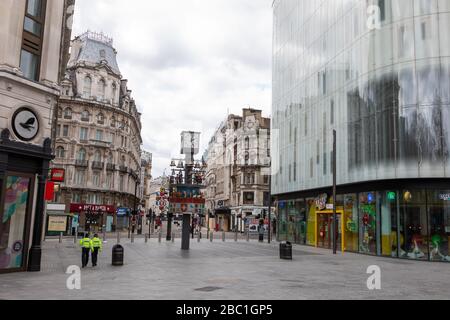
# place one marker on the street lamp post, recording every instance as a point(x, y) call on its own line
point(270, 206)
point(189, 174)
point(335, 227)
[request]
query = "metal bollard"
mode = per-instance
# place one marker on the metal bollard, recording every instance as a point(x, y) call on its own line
point(132, 238)
point(60, 237)
point(248, 236)
point(75, 239)
point(199, 236)
point(223, 236)
point(173, 237)
point(211, 236)
point(146, 238)
point(159, 237)
point(235, 237)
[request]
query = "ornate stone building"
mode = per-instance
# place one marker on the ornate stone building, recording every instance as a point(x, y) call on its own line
point(238, 159)
point(98, 139)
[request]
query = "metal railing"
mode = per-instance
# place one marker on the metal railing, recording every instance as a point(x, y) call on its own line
point(97, 165)
point(81, 163)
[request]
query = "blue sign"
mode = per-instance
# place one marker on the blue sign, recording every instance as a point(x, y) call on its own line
point(370, 197)
point(122, 211)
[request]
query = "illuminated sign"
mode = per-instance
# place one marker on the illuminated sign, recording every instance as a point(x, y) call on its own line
point(57, 175)
point(391, 196)
point(321, 201)
point(445, 197)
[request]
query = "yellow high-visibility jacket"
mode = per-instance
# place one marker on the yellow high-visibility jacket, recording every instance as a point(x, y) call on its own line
point(86, 243)
point(97, 243)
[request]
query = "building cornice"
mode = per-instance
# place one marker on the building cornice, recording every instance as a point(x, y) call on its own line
point(49, 88)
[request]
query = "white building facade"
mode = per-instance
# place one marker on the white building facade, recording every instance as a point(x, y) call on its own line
point(237, 178)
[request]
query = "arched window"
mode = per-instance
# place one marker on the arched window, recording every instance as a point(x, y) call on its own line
point(246, 158)
point(85, 116)
point(68, 113)
point(98, 156)
point(110, 158)
point(60, 152)
point(100, 118)
point(87, 87)
point(113, 121)
point(81, 155)
point(101, 90)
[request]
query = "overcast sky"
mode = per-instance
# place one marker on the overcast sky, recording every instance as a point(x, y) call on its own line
point(188, 62)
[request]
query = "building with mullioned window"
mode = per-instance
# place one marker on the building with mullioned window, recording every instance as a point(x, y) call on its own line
point(237, 178)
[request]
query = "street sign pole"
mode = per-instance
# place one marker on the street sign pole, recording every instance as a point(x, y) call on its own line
point(270, 205)
point(335, 227)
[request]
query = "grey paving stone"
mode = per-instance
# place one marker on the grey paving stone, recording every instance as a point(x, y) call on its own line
point(222, 271)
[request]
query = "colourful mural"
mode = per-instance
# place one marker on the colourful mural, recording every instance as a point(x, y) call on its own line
point(13, 222)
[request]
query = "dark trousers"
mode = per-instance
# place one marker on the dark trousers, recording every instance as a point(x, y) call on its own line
point(95, 256)
point(85, 257)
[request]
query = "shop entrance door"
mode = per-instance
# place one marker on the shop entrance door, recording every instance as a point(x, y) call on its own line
point(324, 230)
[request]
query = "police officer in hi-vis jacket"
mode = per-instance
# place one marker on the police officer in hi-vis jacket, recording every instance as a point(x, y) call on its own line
point(86, 246)
point(96, 247)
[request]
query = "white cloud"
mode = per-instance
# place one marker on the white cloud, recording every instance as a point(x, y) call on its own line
point(187, 61)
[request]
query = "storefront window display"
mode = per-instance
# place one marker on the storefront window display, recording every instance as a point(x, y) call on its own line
point(351, 222)
point(388, 221)
point(13, 220)
point(292, 215)
point(302, 221)
point(439, 211)
point(413, 225)
point(311, 221)
point(296, 221)
point(282, 221)
point(368, 223)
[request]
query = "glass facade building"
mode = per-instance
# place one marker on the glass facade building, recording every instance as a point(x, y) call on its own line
point(377, 72)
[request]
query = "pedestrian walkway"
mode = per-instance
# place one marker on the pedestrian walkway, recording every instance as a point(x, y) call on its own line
point(224, 270)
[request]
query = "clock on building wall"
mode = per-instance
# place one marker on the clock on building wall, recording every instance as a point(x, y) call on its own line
point(25, 124)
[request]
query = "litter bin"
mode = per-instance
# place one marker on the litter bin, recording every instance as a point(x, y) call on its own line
point(286, 251)
point(117, 255)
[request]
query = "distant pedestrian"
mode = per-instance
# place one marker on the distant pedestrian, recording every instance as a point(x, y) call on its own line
point(96, 247)
point(261, 231)
point(86, 245)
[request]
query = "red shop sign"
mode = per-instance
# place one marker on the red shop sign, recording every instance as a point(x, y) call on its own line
point(57, 175)
point(78, 207)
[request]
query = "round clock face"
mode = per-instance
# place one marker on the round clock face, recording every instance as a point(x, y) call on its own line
point(25, 124)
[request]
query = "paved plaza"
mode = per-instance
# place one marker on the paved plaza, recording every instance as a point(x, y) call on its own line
point(224, 271)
